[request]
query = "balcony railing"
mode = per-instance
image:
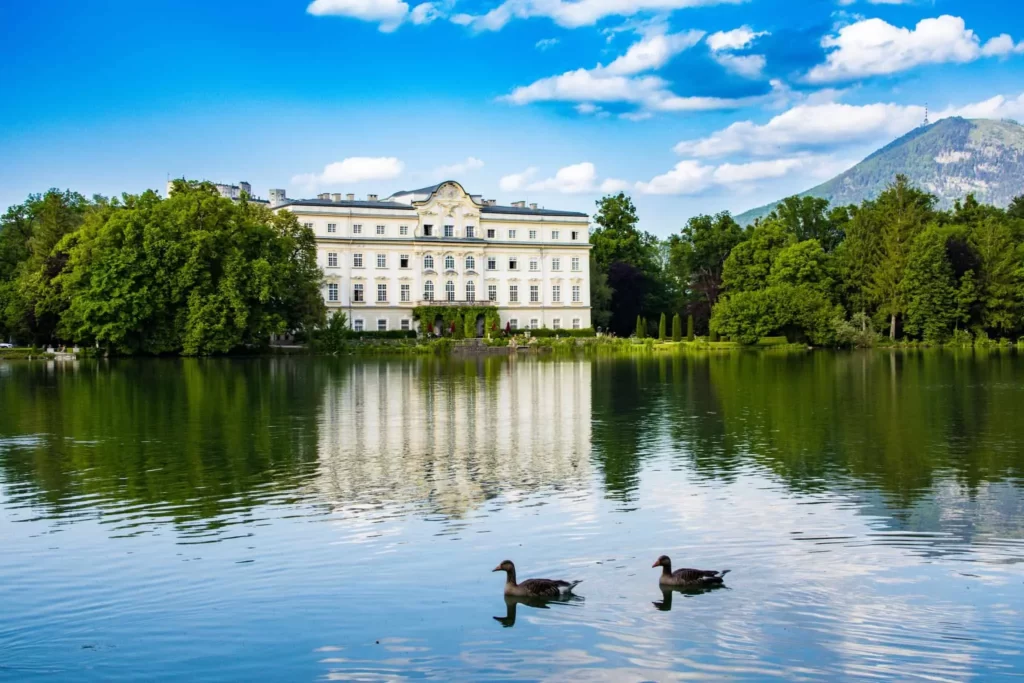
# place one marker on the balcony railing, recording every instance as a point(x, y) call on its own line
point(457, 302)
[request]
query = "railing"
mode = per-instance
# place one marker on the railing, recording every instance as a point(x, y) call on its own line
point(457, 302)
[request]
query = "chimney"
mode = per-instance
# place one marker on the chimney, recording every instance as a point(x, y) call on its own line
point(492, 202)
point(324, 195)
point(533, 206)
point(519, 205)
point(371, 197)
point(350, 197)
point(335, 196)
point(277, 196)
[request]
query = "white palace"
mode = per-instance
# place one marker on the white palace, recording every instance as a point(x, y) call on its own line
point(442, 246)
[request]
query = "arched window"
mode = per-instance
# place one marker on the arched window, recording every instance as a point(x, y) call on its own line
point(470, 263)
point(470, 291)
point(428, 262)
point(449, 262)
point(428, 290)
point(449, 290)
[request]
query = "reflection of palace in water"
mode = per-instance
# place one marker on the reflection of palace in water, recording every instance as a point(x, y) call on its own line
point(404, 433)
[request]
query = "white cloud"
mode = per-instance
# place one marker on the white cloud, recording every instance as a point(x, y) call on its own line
point(1001, 46)
point(872, 47)
point(748, 66)
point(811, 125)
point(807, 125)
point(545, 43)
point(690, 177)
point(574, 13)
point(687, 177)
point(736, 39)
point(517, 181)
point(569, 180)
point(651, 53)
point(352, 170)
point(458, 169)
point(614, 185)
point(388, 14)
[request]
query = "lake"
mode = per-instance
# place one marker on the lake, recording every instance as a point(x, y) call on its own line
point(309, 519)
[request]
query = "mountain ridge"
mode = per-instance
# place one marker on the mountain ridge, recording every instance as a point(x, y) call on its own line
point(949, 158)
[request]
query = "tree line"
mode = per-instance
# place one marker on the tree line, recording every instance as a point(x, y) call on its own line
point(193, 273)
point(819, 274)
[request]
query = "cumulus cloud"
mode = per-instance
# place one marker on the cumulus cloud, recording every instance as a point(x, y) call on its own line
point(691, 176)
point(687, 177)
point(748, 66)
point(573, 179)
point(352, 170)
point(873, 47)
point(388, 14)
point(517, 181)
point(651, 53)
point(821, 124)
point(736, 39)
point(573, 13)
point(457, 169)
point(724, 43)
point(1001, 46)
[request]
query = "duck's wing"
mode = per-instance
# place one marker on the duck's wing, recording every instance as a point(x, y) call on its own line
point(697, 575)
point(547, 588)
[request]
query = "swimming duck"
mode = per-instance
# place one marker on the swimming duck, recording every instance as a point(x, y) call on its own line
point(687, 578)
point(534, 588)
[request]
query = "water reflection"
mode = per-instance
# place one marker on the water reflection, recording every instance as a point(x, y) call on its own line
point(512, 604)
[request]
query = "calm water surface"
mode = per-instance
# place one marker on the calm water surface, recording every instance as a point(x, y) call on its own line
point(306, 519)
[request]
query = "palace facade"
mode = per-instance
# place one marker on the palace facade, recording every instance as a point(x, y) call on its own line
point(442, 246)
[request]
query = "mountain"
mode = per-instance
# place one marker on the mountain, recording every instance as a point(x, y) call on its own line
point(948, 158)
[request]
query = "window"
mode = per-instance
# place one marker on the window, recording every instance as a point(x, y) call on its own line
point(534, 294)
point(556, 324)
point(575, 294)
point(357, 293)
point(428, 291)
point(382, 260)
point(533, 234)
point(556, 293)
point(357, 260)
point(575, 323)
point(513, 263)
point(428, 262)
point(449, 262)
point(556, 263)
point(534, 323)
point(490, 233)
point(470, 232)
point(404, 292)
point(332, 292)
point(382, 324)
point(428, 230)
point(513, 294)
point(449, 290)
point(403, 261)
point(380, 229)
point(405, 325)
point(332, 259)
point(403, 230)
point(470, 291)
point(511, 234)
point(513, 323)
point(470, 263)
point(575, 262)
point(554, 234)
point(308, 225)
point(575, 235)
point(534, 264)
point(492, 292)
point(382, 293)
point(332, 227)
point(492, 263)
point(357, 325)
point(449, 231)
point(357, 230)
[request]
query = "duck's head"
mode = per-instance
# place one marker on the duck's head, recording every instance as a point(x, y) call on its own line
point(505, 566)
point(662, 561)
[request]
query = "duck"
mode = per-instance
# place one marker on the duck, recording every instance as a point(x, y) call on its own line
point(551, 589)
point(687, 578)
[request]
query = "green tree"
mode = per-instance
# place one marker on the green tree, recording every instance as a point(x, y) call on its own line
point(999, 277)
point(459, 327)
point(661, 328)
point(639, 328)
point(749, 263)
point(932, 288)
point(809, 218)
point(677, 328)
point(1016, 208)
point(903, 211)
point(700, 251)
point(600, 296)
point(857, 258)
point(689, 328)
point(804, 263)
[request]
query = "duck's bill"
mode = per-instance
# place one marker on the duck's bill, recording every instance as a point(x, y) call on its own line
point(656, 563)
point(497, 569)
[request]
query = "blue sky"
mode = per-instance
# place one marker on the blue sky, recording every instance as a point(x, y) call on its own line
point(691, 106)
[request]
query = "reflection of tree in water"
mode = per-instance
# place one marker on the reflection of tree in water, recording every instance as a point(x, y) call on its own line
point(193, 439)
point(444, 435)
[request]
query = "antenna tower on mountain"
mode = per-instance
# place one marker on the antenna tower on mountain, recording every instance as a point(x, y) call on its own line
point(926, 114)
